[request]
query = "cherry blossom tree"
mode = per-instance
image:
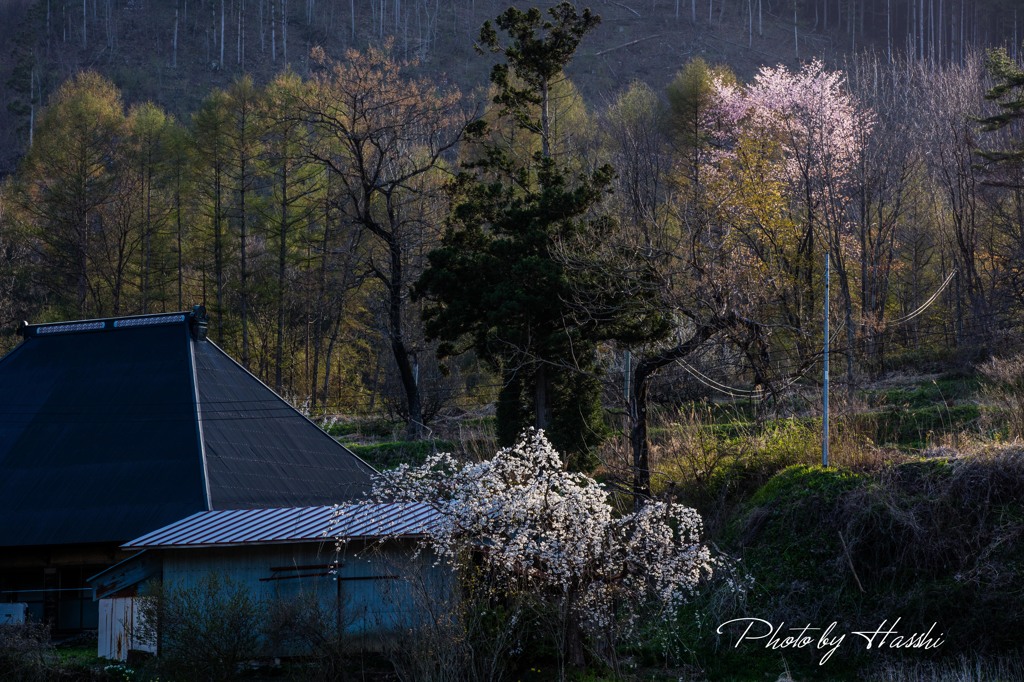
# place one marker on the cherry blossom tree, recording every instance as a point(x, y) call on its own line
point(817, 130)
point(553, 534)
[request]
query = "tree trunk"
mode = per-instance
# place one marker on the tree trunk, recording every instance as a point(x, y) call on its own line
point(321, 298)
point(645, 369)
point(399, 348)
point(282, 254)
point(83, 266)
point(244, 274)
point(178, 225)
point(218, 255)
point(174, 54)
point(545, 122)
point(147, 236)
point(796, 34)
point(222, 11)
point(332, 341)
point(541, 392)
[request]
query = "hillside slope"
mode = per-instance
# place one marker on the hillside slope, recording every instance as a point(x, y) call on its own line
point(173, 52)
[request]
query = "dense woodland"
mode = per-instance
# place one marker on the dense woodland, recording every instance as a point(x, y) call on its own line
point(369, 240)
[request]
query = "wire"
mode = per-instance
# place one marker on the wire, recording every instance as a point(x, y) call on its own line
point(719, 387)
point(926, 304)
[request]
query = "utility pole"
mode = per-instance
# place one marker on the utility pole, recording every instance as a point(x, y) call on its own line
point(824, 412)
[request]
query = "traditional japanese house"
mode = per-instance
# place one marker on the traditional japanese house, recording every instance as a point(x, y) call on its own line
point(113, 428)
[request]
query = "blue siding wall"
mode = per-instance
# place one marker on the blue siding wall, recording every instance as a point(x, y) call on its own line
point(382, 588)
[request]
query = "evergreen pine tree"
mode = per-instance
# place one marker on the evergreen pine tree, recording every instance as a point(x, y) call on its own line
point(498, 280)
point(1008, 94)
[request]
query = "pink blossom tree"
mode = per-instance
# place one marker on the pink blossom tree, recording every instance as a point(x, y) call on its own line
point(817, 131)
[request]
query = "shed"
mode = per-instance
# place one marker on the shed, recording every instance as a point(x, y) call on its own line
point(354, 562)
point(112, 428)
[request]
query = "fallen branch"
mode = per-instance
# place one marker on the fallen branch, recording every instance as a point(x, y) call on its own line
point(846, 551)
point(632, 42)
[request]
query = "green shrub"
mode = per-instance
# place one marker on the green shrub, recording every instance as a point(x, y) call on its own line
point(207, 630)
point(390, 454)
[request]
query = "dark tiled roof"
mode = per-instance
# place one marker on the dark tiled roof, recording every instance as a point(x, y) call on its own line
point(102, 438)
point(259, 450)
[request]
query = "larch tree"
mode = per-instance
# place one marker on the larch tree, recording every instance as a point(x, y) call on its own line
point(68, 177)
point(244, 169)
point(210, 131)
point(180, 160)
point(296, 184)
point(149, 136)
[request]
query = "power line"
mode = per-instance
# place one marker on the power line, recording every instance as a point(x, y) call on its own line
point(926, 304)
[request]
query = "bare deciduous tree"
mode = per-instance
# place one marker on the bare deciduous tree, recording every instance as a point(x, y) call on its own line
point(383, 135)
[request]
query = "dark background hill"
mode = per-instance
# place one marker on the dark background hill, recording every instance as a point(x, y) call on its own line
point(173, 51)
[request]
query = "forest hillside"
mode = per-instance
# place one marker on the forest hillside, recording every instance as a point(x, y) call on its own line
point(746, 263)
point(170, 53)
point(314, 179)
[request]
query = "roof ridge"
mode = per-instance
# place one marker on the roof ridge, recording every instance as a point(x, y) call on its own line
point(195, 318)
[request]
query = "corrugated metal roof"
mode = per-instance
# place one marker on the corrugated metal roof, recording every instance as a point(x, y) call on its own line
point(292, 524)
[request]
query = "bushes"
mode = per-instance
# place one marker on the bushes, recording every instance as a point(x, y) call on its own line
point(303, 626)
point(25, 652)
point(930, 540)
point(28, 655)
point(207, 630)
point(1006, 390)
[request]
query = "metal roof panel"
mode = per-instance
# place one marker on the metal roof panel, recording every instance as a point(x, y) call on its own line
point(292, 524)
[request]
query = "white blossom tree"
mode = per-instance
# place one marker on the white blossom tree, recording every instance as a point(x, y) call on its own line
point(552, 534)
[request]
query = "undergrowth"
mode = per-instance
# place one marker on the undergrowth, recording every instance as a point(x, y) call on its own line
point(934, 542)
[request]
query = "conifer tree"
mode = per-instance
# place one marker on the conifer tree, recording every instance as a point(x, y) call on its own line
point(498, 280)
point(1008, 94)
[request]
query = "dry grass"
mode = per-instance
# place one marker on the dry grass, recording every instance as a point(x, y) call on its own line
point(1005, 388)
point(961, 669)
